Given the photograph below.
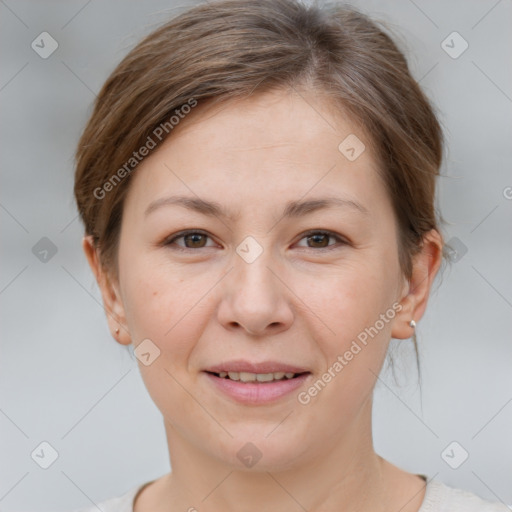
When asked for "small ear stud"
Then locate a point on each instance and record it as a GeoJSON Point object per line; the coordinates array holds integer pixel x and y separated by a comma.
{"type": "Point", "coordinates": [412, 323]}
{"type": "Point", "coordinates": [117, 331]}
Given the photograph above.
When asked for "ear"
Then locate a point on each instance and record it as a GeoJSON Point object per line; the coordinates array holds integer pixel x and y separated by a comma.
{"type": "Point", "coordinates": [112, 301]}
{"type": "Point", "coordinates": [417, 290]}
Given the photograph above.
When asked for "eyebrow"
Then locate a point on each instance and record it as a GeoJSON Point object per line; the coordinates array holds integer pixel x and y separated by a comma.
{"type": "Point", "coordinates": [292, 209]}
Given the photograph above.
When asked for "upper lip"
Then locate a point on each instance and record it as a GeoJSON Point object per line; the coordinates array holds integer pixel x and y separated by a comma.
{"type": "Point", "coordinates": [240, 365]}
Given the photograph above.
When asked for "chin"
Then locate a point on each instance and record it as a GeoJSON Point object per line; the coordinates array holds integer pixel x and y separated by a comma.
{"type": "Point", "coordinates": [256, 453]}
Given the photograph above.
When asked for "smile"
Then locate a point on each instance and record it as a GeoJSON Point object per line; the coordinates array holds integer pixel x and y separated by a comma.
{"type": "Point", "coordinates": [259, 377]}
{"type": "Point", "coordinates": [256, 388]}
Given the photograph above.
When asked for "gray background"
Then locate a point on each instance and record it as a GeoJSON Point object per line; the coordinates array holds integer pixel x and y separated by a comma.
{"type": "Point", "coordinates": [64, 380]}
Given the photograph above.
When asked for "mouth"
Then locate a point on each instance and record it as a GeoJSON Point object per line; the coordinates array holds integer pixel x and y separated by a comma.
{"type": "Point", "coordinates": [245, 377]}
{"type": "Point", "coordinates": [256, 383]}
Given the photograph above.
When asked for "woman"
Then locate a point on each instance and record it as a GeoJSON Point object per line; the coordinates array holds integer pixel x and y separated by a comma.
{"type": "Point", "coordinates": [257, 185]}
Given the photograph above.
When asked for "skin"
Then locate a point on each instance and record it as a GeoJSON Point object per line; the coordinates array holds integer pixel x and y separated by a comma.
{"type": "Point", "coordinates": [297, 303]}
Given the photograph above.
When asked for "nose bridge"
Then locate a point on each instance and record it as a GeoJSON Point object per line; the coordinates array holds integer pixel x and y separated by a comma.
{"type": "Point", "coordinates": [254, 298]}
{"type": "Point", "coordinates": [252, 277]}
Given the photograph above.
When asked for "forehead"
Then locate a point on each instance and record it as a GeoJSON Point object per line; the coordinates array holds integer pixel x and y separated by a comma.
{"type": "Point", "coordinates": [274, 146]}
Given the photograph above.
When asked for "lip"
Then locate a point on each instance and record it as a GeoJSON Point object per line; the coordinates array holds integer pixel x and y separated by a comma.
{"type": "Point", "coordinates": [257, 393]}
{"type": "Point", "coordinates": [240, 365]}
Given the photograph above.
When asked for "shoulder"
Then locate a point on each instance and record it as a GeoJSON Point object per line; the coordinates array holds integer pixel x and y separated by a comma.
{"type": "Point", "coordinates": [121, 503]}
{"type": "Point", "coordinates": [442, 498]}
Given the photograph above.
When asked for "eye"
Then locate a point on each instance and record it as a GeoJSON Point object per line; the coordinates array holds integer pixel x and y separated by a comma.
{"type": "Point", "coordinates": [196, 239]}
{"type": "Point", "coordinates": [320, 240]}
{"type": "Point", "coordinates": [191, 240]}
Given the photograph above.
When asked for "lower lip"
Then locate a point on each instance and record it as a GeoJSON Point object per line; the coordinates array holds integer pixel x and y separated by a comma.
{"type": "Point", "coordinates": [257, 393]}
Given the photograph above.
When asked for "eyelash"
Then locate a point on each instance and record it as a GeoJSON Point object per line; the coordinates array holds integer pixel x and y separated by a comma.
{"type": "Point", "coordinates": [171, 241]}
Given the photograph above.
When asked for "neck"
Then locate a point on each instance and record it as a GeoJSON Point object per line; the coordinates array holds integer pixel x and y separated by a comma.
{"type": "Point", "coordinates": [345, 474]}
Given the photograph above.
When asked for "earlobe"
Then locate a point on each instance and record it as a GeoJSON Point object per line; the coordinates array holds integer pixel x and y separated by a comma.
{"type": "Point", "coordinates": [425, 267]}
{"type": "Point", "coordinates": [112, 301]}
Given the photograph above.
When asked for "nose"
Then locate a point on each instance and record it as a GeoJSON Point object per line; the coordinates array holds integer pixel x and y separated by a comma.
{"type": "Point", "coordinates": [254, 299]}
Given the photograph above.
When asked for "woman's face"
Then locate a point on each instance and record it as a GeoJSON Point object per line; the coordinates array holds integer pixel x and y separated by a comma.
{"type": "Point", "coordinates": [293, 266]}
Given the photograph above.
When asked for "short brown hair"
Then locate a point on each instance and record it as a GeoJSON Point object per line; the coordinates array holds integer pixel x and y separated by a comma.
{"type": "Point", "coordinates": [234, 48]}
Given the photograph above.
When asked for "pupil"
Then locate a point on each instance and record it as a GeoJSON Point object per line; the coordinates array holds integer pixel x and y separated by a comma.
{"type": "Point", "coordinates": [196, 239]}
{"type": "Point", "coordinates": [318, 239]}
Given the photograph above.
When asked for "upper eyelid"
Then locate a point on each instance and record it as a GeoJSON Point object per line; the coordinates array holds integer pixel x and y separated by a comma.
{"type": "Point", "coordinates": [322, 232]}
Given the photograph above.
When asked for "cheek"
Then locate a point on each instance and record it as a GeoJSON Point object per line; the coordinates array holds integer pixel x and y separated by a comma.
{"type": "Point", "coordinates": [352, 338]}
{"type": "Point", "coordinates": [346, 301]}
{"type": "Point", "coordinates": [162, 306]}
{"type": "Point", "coordinates": [350, 303]}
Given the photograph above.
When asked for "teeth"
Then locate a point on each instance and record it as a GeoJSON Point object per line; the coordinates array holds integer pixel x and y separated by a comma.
{"type": "Point", "coordinates": [259, 377]}
{"type": "Point", "coordinates": [248, 377]}
{"type": "Point", "coordinates": [264, 377]}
